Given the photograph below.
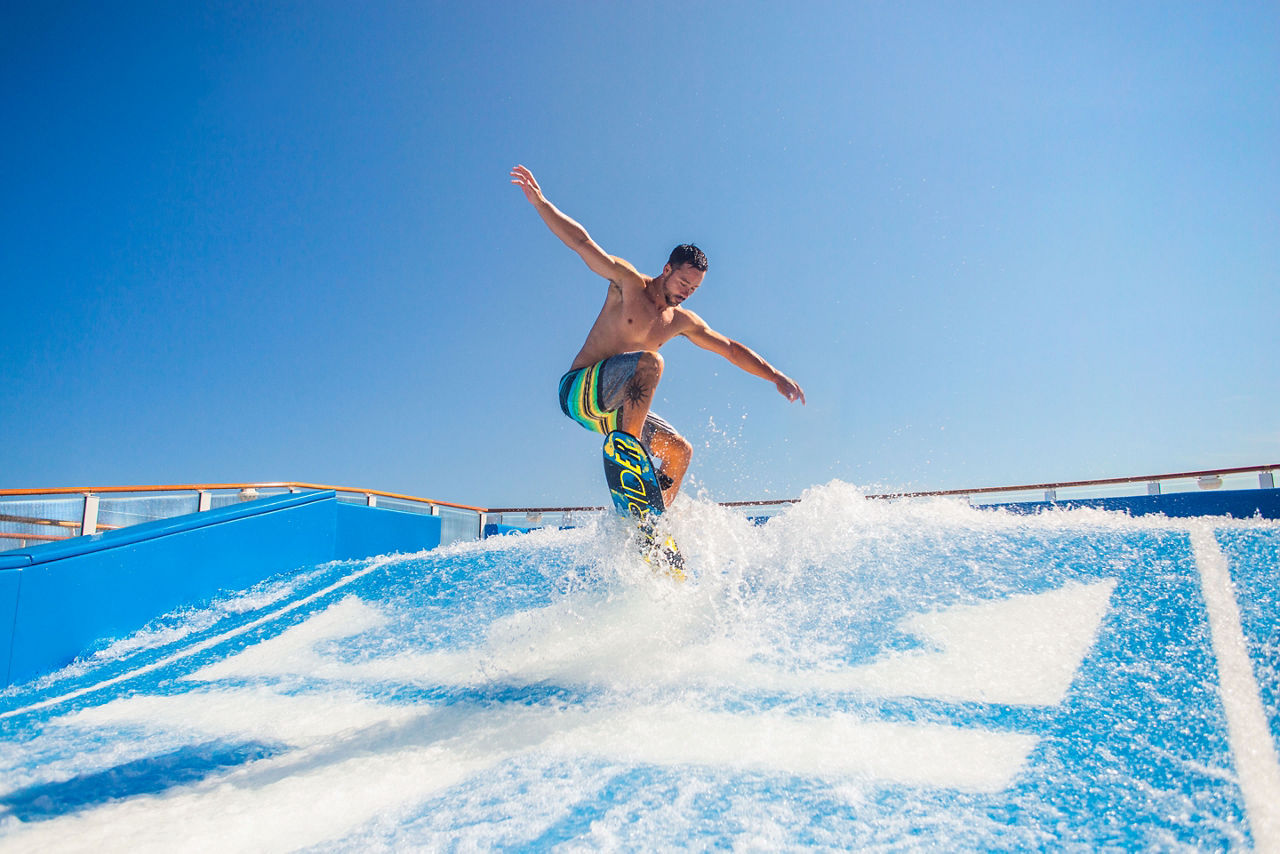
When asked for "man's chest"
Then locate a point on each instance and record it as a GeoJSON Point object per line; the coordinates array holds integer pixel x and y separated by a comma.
{"type": "Point", "coordinates": [642, 322]}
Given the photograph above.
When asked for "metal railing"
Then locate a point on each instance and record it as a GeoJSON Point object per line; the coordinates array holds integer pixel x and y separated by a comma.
{"type": "Point", "coordinates": [32, 516]}
{"type": "Point", "coordinates": [1155, 485]}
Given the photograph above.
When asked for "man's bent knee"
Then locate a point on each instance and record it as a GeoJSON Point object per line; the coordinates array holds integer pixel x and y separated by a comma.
{"type": "Point", "coordinates": [650, 361]}
{"type": "Point", "coordinates": [672, 447]}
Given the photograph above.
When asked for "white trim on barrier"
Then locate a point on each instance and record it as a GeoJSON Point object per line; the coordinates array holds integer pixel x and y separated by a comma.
{"type": "Point", "coordinates": [89, 515]}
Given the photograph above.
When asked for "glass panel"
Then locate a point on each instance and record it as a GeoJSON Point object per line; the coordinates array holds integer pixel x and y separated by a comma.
{"type": "Point", "coordinates": [223, 499]}
{"type": "Point", "coordinates": [404, 506]}
{"type": "Point", "coordinates": [458, 525]}
{"type": "Point", "coordinates": [31, 521]}
{"type": "Point", "coordinates": [120, 511]}
{"type": "Point", "coordinates": [1007, 497]}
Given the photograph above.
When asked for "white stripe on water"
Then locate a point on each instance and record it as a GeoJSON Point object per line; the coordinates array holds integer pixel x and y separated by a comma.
{"type": "Point", "coordinates": [1251, 745]}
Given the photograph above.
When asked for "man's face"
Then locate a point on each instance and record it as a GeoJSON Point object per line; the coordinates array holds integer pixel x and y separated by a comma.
{"type": "Point", "coordinates": [681, 282]}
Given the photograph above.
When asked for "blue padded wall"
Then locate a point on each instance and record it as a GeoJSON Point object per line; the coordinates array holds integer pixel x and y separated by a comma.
{"type": "Point", "coordinates": [58, 599]}
{"type": "Point", "coordinates": [1237, 503]}
{"type": "Point", "coordinates": [9, 579]}
{"type": "Point", "coordinates": [365, 531]}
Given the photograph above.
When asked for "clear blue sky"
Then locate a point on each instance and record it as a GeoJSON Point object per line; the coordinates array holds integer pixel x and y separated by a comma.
{"type": "Point", "coordinates": [995, 242]}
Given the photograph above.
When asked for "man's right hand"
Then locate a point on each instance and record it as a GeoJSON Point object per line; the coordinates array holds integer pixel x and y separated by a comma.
{"type": "Point", "coordinates": [570, 232]}
{"type": "Point", "coordinates": [523, 178]}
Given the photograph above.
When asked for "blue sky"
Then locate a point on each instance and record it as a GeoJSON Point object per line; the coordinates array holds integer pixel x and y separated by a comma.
{"type": "Point", "coordinates": [994, 242]}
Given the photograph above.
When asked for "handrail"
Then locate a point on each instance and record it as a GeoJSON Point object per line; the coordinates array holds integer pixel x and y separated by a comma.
{"type": "Point", "coordinates": [544, 509]}
{"type": "Point", "coordinates": [47, 523]}
{"type": "Point", "coordinates": [1111, 481]}
{"type": "Point", "coordinates": [986, 490]}
{"type": "Point", "coordinates": [196, 487]}
{"type": "Point", "coordinates": [44, 538]}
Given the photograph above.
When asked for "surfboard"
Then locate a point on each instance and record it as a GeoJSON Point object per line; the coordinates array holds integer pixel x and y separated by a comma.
{"type": "Point", "coordinates": [633, 484]}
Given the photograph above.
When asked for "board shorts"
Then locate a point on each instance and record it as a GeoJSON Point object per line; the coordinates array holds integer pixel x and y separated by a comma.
{"type": "Point", "coordinates": [593, 396]}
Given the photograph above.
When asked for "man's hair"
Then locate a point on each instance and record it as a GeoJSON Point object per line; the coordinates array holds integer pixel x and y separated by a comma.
{"type": "Point", "coordinates": [687, 253]}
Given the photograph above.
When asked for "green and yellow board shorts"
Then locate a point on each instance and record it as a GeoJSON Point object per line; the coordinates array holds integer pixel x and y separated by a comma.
{"type": "Point", "coordinates": [594, 396]}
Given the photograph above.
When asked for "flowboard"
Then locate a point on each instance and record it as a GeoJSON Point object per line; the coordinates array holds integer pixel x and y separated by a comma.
{"type": "Point", "coordinates": [633, 484]}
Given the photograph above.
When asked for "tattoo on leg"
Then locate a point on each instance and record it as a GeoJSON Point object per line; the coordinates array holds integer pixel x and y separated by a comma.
{"type": "Point", "coordinates": [636, 390]}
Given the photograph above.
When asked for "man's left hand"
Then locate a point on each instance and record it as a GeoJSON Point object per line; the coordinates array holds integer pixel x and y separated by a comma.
{"type": "Point", "coordinates": [789, 389]}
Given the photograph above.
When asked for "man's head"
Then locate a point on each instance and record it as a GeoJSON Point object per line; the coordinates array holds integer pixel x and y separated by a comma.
{"type": "Point", "coordinates": [687, 253]}
{"type": "Point", "coordinates": [683, 273]}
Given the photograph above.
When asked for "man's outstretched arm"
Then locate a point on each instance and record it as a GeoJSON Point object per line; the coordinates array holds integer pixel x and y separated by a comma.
{"type": "Point", "coordinates": [741, 356]}
{"type": "Point", "coordinates": [569, 230]}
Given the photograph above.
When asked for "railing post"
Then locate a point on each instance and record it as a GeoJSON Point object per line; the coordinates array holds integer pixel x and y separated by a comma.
{"type": "Point", "coordinates": [205, 502]}
{"type": "Point", "coordinates": [1266, 480]}
{"type": "Point", "coordinates": [1153, 487]}
{"type": "Point", "coordinates": [89, 518]}
{"type": "Point", "coordinates": [1051, 496]}
{"type": "Point", "coordinates": [370, 500]}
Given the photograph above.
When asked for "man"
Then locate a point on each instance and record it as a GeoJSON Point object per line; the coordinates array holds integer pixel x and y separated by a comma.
{"type": "Point", "coordinates": [612, 381]}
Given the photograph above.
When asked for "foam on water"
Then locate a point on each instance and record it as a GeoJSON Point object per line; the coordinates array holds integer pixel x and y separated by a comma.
{"type": "Point", "coordinates": [853, 673]}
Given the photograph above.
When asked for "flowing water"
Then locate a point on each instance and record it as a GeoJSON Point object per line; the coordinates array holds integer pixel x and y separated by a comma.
{"type": "Point", "coordinates": [852, 674]}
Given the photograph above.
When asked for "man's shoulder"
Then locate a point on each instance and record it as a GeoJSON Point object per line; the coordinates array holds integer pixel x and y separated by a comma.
{"type": "Point", "coordinates": [625, 264]}
{"type": "Point", "coordinates": [624, 272]}
{"type": "Point", "coordinates": [684, 320]}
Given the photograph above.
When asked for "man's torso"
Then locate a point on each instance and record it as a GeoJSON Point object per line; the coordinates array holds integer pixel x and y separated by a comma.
{"type": "Point", "coordinates": [628, 321]}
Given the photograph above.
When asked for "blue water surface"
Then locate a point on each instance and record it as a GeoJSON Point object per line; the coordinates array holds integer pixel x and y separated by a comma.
{"type": "Point", "coordinates": [549, 691]}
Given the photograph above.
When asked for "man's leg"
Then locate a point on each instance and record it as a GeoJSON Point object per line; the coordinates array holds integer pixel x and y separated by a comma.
{"type": "Point", "coordinates": [639, 393]}
{"type": "Point", "coordinates": [676, 452]}
{"type": "Point", "coordinates": [670, 446]}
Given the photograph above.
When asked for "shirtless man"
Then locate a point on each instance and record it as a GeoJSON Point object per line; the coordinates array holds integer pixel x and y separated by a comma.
{"type": "Point", "coordinates": [612, 381]}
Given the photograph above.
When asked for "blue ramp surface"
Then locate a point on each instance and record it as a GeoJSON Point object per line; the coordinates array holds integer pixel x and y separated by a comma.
{"type": "Point", "coordinates": [851, 674]}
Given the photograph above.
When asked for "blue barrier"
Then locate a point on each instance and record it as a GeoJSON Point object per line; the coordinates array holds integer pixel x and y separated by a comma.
{"type": "Point", "coordinates": [1237, 503]}
{"type": "Point", "coordinates": [57, 599]}
{"type": "Point", "coordinates": [8, 612]}
{"type": "Point", "coordinates": [493, 529]}
{"type": "Point", "coordinates": [367, 531]}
